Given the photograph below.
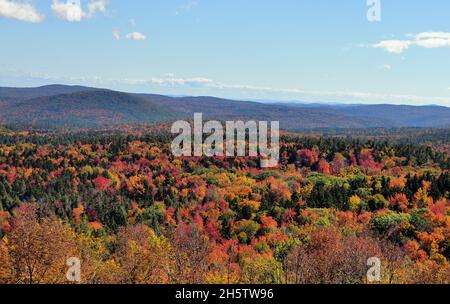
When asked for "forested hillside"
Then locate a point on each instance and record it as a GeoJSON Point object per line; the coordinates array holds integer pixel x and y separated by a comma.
{"type": "Point", "coordinates": [135, 214]}
{"type": "Point", "coordinates": [58, 106]}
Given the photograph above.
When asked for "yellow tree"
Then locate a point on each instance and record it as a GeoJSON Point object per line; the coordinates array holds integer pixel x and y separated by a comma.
{"type": "Point", "coordinates": [143, 256]}
{"type": "Point", "coordinates": [98, 266]}
{"type": "Point", "coordinates": [39, 249]}
{"type": "Point", "coordinates": [5, 263]}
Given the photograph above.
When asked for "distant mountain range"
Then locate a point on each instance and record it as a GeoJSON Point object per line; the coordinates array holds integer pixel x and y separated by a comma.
{"type": "Point", "coordinates": [84, 107]}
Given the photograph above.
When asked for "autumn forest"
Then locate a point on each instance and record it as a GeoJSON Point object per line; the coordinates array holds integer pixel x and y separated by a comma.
{"type": "Point", "coordinates": [119, 201]}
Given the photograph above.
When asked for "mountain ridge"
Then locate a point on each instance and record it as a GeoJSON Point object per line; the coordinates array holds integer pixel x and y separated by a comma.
{"type": "Point", "coordinates": [79, 106]}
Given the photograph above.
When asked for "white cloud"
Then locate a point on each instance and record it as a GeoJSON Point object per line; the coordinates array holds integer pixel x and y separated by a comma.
{"type": "Point", "coordinates": [72, 11]}
{"type": "Point", "coordinates": [171, 80]}
{"type": "Point", "coordinates": [136, 36]}
{"type": "Point", "coordinates": [428, 40]}
{"type": "Point", "coordinates": [20, 11]}
{"type": "Point", "coordinates": [433, 39]}
{"type": "Point", "coordinates": [97, 6]}
{"type": "Point", "coordinates": [393, 46]}
{"type": "Point", "coordinates": [116, 34]}
{"type": "Point", "coordinates": [428, 35]}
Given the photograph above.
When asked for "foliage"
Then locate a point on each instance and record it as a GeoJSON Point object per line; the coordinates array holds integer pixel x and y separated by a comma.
{"type": "Point", "coordinates": [133, 213]}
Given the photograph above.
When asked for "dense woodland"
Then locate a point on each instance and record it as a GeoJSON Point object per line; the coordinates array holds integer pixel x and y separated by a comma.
{"type": "Point", "coordinates": [135, 214]}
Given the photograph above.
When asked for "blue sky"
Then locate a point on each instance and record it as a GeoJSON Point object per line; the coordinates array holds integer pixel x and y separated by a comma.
{"type": "Point", "coordinates": [307, 50]}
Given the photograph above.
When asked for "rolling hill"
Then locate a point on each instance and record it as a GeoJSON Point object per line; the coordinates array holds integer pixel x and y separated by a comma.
{"type": "Point", "coordinates": [77, 106]}
{"type": "Point", "coordinates": [21, 94]}
{"type": "Point", "coordinates": [83, 109]}
{"type": "Point", "coordinates": [402, 116]}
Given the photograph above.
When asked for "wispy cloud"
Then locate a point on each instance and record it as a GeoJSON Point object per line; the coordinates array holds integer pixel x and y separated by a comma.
{"type": "Point", "coordinates": [393, 46]}
{"type": "Point", "coordinates": [171, 80]}
{"type": "Point", "coordinates": [116, 34]}
{"type": "Point", "coordinates": [20, 11]}
{"type": "Point", "coordinates": [202, 85]}
{"type": "Point", "coordinates": [428, 40]}
{"type": "Point", "coordinates": [97, 6]}
{"type": "Point", "coordinates": [187, 7]}
{"type": "Point", "coordinates": [387, 67]}
{"type": "Point", "coordinates": [137, 36]}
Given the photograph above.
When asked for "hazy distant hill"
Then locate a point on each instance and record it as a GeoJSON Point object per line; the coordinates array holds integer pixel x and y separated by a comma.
{"type": "Point", "coordinates": [392, 115]}
{"type": "Point", "coordinates": [402, 116]}
{"type": "Point", "coordinates": [76, 106]}
{"type": "Point", "coordinates": [291, 118]}
{"type": "Point", "coordinates": [15, 94]}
